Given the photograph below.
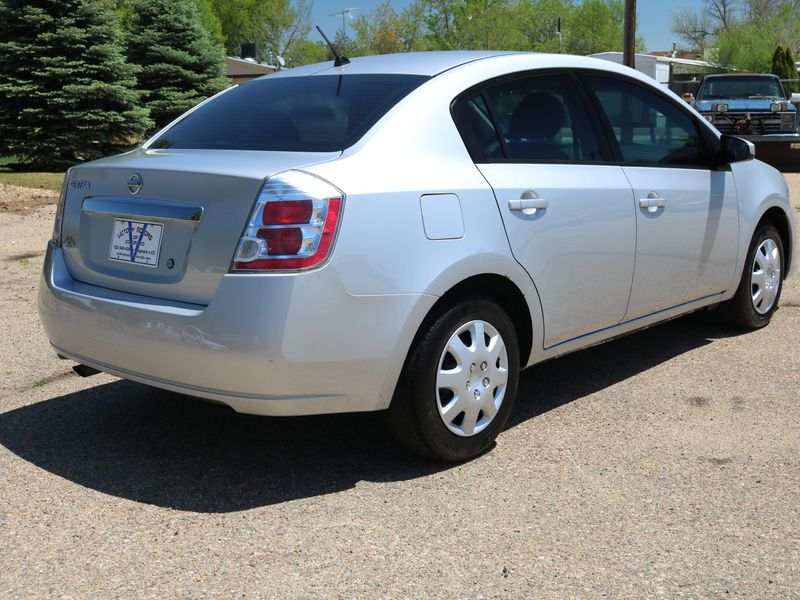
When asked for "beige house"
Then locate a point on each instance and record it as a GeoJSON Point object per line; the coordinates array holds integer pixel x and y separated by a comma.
{"type": "Point", "coordinates": [240, 70]}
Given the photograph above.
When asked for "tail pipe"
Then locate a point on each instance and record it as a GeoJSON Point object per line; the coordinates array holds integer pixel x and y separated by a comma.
{"type": "Point", "coordinates": [85, 371]}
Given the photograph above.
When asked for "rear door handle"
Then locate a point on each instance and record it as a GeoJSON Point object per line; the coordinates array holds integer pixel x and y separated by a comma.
{"type": "Point", "coordinates": [653, 201]}
{"type": "Point", "coordinates": [528, 205]}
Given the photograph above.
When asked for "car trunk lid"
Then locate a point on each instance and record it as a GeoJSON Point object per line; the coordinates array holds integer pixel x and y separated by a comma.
{"type": "Point", "coordinates": [165, 223]}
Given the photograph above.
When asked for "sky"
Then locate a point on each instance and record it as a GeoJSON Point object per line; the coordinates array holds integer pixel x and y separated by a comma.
{"type": "Point", "coordinates": [654, 17]}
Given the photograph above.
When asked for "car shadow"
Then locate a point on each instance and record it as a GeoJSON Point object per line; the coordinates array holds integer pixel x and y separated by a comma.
{"type": "Point", "coordinates": [152, 446]}
{"type": "Point", "coordinates": [551, 384]}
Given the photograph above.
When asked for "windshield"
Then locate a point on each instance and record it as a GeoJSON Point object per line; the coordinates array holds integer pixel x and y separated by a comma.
{"type": "Point", "coordinates": [718, 88]}
{"type": "Point", "coordinates": [321, 113]}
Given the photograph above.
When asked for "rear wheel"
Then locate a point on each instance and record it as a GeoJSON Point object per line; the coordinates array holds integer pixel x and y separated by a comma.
{"type": "Point", "coordinates": [458, 384]}
{"type": "Point", "coordinates": [759, 290]}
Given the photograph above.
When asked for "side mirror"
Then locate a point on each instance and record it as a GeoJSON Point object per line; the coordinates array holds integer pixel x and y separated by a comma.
{"type": "Point", "coordinates": [795, 98]}
{"type": "Point", "coordinates": [734, 149]}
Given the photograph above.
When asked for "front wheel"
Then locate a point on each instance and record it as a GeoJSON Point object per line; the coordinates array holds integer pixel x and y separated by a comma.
{"type": "Point", "coordinates": [458, 385]}
{"type": "Point", "coordinates": [759, 290]}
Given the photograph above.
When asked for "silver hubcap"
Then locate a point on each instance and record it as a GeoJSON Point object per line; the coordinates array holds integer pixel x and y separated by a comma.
{"type": "Point", "coordinates": [765, 278]}
{"type": "Point", "coordinates": [471, 378]}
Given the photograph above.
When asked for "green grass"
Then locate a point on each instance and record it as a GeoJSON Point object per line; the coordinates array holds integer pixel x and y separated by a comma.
{"type": "Point", "coordinates": [43, 181]}
{"type": "Point", "coordinates": [24, 262]}
{"type": "Point", "coordinates": [12, 174]}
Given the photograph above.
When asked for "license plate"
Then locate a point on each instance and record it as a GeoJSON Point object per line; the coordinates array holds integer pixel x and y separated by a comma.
{"type": "Point", "coordinates": [136, 242]}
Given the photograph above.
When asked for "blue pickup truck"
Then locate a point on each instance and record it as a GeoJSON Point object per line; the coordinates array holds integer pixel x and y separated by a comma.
{"type": "Point", "coordinates": [746, 105]}
{"type": "Point", "coordinates": [757, 108]}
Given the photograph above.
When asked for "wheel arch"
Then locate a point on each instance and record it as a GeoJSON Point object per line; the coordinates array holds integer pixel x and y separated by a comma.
{"type": "Point", "coordinates": [777, 217]}
{"type": "Point", "coordinates": [496, 288]}
{"type": "Point", "coordinates": [763, 197]}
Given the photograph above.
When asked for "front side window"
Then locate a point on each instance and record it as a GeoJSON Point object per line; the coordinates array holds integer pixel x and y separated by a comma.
{"type": "Point", "coordinates": [321, 113]}
{"type": "Point", "coordinates": [528, 119]}
{"type": "Point", "coordinates": [649, 129]}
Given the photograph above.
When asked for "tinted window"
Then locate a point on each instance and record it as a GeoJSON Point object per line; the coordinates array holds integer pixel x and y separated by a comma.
{"type": "Point", "coordinates": [539, 119]}
{"type": "Point", "coordinates": [648, 127]}
{"type": "Point", "coordinates": [321, 113]}
{"type": "Point", "coordinates": [476, 127]}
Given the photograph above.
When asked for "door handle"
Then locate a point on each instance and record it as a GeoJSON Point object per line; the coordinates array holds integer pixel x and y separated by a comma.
{"type": "Point", "coordinates": [652, 202]}
{"type": "Point", "coordinates": [528, 205]}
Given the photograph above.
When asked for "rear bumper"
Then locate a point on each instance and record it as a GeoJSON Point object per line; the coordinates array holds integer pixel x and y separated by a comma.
{"type": "Point", "coordinates": [290, 344]}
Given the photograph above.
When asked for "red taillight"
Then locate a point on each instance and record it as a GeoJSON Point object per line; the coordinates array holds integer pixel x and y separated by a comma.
{"type": "Point", "coordinates": [282, 241]}
{"type": "Point", "coordinates": [287, 212]}
{"type": "Point", "coordinates": [292, 226]}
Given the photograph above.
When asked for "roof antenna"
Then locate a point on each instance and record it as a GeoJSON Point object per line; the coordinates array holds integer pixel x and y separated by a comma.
{"type": "Point", "coordinates": [339, 60]}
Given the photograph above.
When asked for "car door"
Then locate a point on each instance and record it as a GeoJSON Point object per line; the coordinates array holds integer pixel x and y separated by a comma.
{"type": "Point", "coordinates": [686, 210]}
{"type": "Point", "coordinates": [570, 220]}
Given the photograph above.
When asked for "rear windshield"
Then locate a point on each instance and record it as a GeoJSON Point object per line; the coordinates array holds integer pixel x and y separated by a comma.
{"type": "Point", "coordinates": [719, 88]}
{"type": "Point", "coordinates": [320, 113]}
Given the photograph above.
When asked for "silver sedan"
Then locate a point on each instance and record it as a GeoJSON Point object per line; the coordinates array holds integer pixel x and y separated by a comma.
{"type": "Point", "coordinates": [404, 233]}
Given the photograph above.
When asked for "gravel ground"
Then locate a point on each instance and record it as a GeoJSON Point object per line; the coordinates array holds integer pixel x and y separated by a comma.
{"type": "Point", "coordinates": [664, 464]}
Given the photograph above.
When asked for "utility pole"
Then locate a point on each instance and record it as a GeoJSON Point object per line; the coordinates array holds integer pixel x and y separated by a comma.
{"type": "Point", "coordinates": [558, 33]}
{"type": "Point", "coordinates": [629, 53]}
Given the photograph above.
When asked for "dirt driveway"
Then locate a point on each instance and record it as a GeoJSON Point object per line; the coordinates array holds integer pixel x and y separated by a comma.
{"type": "Point", "coordinates": [664, 464]}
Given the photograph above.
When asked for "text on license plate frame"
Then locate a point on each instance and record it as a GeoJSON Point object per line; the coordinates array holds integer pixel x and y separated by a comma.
{"type": "Point", "coordinates": [136, 242]}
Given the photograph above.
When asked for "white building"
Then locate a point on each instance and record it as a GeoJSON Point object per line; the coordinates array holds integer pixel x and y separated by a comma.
{"type": "Point", "coordinates": [663, 68]}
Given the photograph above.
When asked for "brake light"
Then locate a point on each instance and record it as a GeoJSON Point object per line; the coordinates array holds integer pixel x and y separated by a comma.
{"type": "Point", "coordinates": [292, 225]}
{"type": "Point", "coordinates": [285, 212]}
{"type": "Point", "coordinates": [283, 241]}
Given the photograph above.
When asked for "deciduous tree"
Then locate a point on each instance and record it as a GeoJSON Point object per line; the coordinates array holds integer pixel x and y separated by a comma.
{"type": "Point", "coordinates": [595, 26]}
{"type": "Point", "coordinates": [282, 23]}
{"type": "Point", "coordinates": [745, 32]}
{"type": "Point", "coordinates": [699, 27]}
{"type": "Point", "coordinates": [304, 52]}
{"type": "Point", "coordinates": [695, 29]}
{"type": "Point", "coordinates": [383, 30]}
{"type": "Point", "coordinates": [276, 26]}
{"type": "Point", "coordinates": [210, 20]}
{"type": "Point", "coordinates": [538, 21]}
{"type": "Point", "coordinates": [750, 43]}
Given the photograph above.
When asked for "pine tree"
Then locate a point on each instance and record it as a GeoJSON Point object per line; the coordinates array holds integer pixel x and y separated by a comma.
{"type": "Point", "coordinates": [790, 70]}
{"type": "Point", "coordinates": [179, 65]}
{"type": "Point", "coordinates": [66, 92]}
{"type": "Point", "coordinates": [778, 58]}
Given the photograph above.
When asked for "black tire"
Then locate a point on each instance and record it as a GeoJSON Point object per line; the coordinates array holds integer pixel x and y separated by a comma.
{"type": "Point", "coordinates": [414, 415]}
{"type": "Point", "coordinates": [740, 310]}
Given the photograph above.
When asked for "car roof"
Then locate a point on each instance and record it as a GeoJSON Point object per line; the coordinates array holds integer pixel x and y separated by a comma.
{"type": "Point", "coordinates": [408, 63]}
{"type": "Point", "coordinates": [434, 63]}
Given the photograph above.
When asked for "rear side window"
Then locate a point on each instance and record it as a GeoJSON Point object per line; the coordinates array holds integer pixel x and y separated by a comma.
{"type": "Point", "coordinates": [647, 126]}
{"type": "Point", "coordinates": [322, 113]}
{"type": "Point", "coordinates": [477, 129]}
{"type": "Point", "coordinates": [538, 119]}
